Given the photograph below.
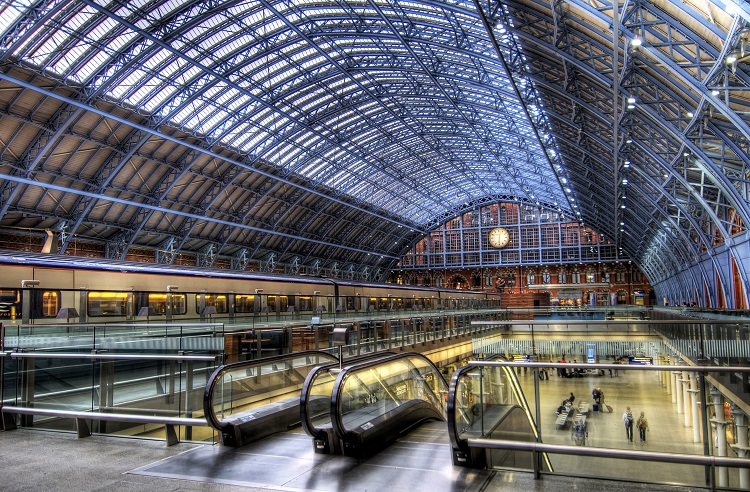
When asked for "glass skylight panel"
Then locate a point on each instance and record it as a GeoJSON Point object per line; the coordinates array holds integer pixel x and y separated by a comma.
{"type": "Point", "coordinates": [158, 98]}
{"type": "Point", "coordinates": [10, 12]}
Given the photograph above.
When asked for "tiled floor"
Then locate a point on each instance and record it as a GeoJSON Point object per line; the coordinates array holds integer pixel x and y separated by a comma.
{"type": "Point", "coordinates": [640, 390]}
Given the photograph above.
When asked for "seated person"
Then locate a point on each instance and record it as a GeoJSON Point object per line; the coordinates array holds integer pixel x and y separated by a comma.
{"type": "Point", "coordinates": [572, 397]}
{"type": "Point", "coordinates": [563, 407]}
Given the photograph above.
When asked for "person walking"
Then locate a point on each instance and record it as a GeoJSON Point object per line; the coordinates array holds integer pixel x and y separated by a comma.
{"type": "Point", "coordinates": [642, 425]}
{"type": "Point", "coordinates": [627, 419]}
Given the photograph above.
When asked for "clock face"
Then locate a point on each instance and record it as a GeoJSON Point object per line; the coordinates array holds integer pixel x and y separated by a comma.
{"type": "Point", "coordinates": [498, 237]}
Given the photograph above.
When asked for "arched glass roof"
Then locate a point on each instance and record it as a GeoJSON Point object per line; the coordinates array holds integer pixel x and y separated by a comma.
{"type": "Point", "coordinates": [403, 106]}
{"type": "Point", "coordinates": [340, 133]}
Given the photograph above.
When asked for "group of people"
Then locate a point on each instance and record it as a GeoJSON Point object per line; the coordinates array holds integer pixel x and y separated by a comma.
{"type": "Point", "coordinates": [641, 424]}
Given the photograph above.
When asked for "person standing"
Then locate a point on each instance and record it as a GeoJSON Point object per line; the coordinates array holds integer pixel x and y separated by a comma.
{"type": "Point", "coordinates": [627, 419]}
{"type": "Point", "coordinates": [642, 425]}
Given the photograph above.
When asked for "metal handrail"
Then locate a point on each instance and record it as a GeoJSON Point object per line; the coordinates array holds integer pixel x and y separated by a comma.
{"type": "Point", "coordinates": [638, 367]}
{"type": "Point", "coordinates": [680, 458]}
{"type": "Point", "coordinates": [542, 322]}
{"type": "Point", "coordinates": [67, 355]}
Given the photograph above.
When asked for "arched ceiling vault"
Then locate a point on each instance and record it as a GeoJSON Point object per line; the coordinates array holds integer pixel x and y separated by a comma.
{"type": "Point", "coordinates": [340, 133]}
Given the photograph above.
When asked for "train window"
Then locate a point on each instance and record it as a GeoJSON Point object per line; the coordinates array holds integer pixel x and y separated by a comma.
{"type": "Point", "coordinates": [10, 306]}
{"type": "Point", "coordinates": [399, 303]}
{"type": "Point", "coordinates": [107, 303]}
{"type": "Point", "coordinates": [44, 303]}
{"type": "Point", "coordinates": [350, 303]}
{"type": "Point", "coordinates": [244, 303]}
{"type": "Point", "coordinates": [50, 304]}
{"type": "Point", "coordinates": [305, 303]}
{"type": "Point", "coordinates": [383, 303]}
{"type": "Point", "coordinates": [373, 304]}
{"type": "Point", "coordinates": [278, 304]}
{"type": "Point", "coordinates": [158, 303]}
{"type": "Point", "coordinates": [218, 301]}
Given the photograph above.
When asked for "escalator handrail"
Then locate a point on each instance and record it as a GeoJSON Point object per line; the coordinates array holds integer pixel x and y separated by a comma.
{"type": "Point", "coordinates": [307, 386]}
{"type": "Point", "coordinates": [463, 445]}
{"type": "Point", "coordinates": [336, 396]}
{"type": "Point", "coordinates": [208, 408]}
{"type": "Point", "coordinates": [455, 440]}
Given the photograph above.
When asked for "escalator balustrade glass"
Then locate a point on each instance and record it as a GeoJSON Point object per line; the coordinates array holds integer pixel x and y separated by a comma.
{"type": "Point", "coordinates": [376, 402]}
{"type": "Point", "coordinates": [246, 401]}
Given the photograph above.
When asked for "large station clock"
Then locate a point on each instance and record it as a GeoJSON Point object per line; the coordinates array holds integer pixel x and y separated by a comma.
{"type": "Point", "coordinates": [498, 237]}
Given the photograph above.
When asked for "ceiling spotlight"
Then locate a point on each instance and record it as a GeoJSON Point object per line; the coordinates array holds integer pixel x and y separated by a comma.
{"type": "Point", "coordinates": [631, 100]}
{"type": "Point", "coordinates": [732, 58]}
{"type": "Point", "coordinates": [636, 41]}
{"type": "Point", "coordinates": [715, 92]}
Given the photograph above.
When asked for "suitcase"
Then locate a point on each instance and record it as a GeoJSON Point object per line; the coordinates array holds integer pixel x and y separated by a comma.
{"type": "Point", "coordinates": [596, 407]}
{"type": "Point", "coordinates": [609, 408]}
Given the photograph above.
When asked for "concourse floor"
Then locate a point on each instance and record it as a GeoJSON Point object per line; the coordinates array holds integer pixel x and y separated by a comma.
{"type": "Point", "coordinates": [42, 460]}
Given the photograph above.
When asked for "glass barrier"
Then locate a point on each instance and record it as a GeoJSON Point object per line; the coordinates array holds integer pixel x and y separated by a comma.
{"type": "Point", "coordinates": [163, 386]}
{"type": "Point", "coordinates": [595, 418]}
{"type": "Point", "coordinates": [489, 402]}
{"type": "Point", "coordinates": [128, 338]}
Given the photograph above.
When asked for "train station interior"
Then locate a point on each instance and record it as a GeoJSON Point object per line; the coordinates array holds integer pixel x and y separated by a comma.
{"type": "Point", "coordinates": [426, 246]}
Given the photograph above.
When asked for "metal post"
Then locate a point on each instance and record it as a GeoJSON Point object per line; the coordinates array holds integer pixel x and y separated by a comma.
{"type": "Point", "coordinates": [188, 394]}
{"type": "Point", "coordinates": [694, 406]}
{"type": "Point", "coordinates": [721, 435]}
{"type": "Point", "coordinates": [741, 448]}
{"type": "Point", "coordinates": [537, 456]}
{"type": "Point", "coordinates": [28, 376]}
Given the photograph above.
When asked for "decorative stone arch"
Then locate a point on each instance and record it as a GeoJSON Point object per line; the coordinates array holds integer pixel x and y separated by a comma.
{"type": "Point", "coordinates": [622, 296]}
{"type": "Point", "coordinates": [458, 281]}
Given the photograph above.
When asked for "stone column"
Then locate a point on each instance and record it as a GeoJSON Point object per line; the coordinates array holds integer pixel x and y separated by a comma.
{"type": "Point", "coordinates": [722, 474]}
{"type": "Point", "coordinates": [677, 393]}
{"type": "Point", "coordinates": [686, 398]}
{"type": "Point", "coordinates": [694, 406]}
{"type": "Point", "coordinates": [741, 448]}
{"type": "Point", "coordinates": [668, 379]}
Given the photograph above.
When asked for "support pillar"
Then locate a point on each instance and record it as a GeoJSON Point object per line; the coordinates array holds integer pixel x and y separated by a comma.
{"type": "Point", "coordinates": [694, 406]}
{"type": "Point", "coordinates": [675, 390]}
{"type": "Point", "coordinates": [741, 448]}
{"type": "Point", "coordinates": [668, 379]}
{"type": "Point", "coordinates": [722, 474]}
{"type": "Point", "coordinates": [686, 398]}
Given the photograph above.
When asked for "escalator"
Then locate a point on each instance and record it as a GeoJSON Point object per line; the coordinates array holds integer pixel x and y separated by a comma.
{"type": "Point", "coordinates": [373, 403]}
{"type": "Point", "coordinates": [249, 400]}
{"type": "Point", "coordinates": [315, 402]}
{"type": "Point", "coordinates": [488, 402]}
